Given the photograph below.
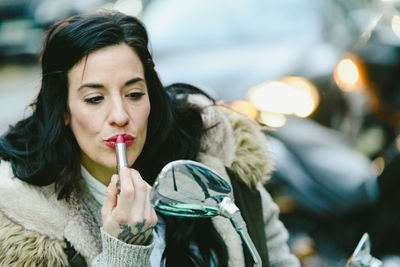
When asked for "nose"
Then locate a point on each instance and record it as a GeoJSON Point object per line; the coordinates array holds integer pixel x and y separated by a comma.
{"type": "Point", "coordinates": [118, 113]}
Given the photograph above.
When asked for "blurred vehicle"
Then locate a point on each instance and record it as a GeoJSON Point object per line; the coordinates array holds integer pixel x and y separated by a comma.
{"type": "Point", "coordinates": [378, 137]}
{"type": "Point", "coordinates": [320, 184]}
{"type": "Point", "coordinates": [320, 170]}
{"type": "Point", "coordinates": [368, 77]}
{"type": "Point", "coordinates": [378, 62]}
{"type": "Point", "coordinates": [19, 33]}
{"type": "Point", "coordinates": [23, 23]}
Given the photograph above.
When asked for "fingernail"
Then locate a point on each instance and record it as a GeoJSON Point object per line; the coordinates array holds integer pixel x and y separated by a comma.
{"type": "Point", "coordinates": [112, 181]}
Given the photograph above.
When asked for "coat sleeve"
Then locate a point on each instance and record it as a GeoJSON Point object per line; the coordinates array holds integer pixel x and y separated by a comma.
{"type": "Point", "coordinates": [276, 233]}
{"type": "Point", "coordinates": [117, 253]}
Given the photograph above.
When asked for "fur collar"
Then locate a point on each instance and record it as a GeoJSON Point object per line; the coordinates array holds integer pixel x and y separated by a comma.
{"type": "Point", "coordinates": [235, 140]}
{"type": "Point", "coordinates": [252, 161]}
{"type": "Point", "coordinates": [24, 204]}
{"type": "Point", "coordinates": [37, 209]}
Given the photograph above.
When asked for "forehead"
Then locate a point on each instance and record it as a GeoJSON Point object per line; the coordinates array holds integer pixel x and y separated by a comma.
{"type": "Point", "coordinates": [113, 61]}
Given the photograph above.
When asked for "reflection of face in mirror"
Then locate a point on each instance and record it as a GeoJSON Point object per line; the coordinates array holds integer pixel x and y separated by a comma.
{"type": "Point", "coordinates": [191, 184]}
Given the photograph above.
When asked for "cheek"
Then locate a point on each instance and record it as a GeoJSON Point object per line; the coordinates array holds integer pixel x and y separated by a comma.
{"type": "Point", "coordinates": [146, 114]}
{"type": "Point", "coordinates": [140, 116]}
{"type": "Point", "coordinates": [141, 120]}
{"type": "Point", "coordinates": [80, 122]}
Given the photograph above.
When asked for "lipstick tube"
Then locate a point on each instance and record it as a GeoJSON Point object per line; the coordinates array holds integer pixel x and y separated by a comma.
{"type": "Point", "coordinates": [120, 150]}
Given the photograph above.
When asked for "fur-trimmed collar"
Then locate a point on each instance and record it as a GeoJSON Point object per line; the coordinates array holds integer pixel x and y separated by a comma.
{"type": "Point", "coordinates": [37, 209]}
{"type": "Point", "coordinates": [235, 140]}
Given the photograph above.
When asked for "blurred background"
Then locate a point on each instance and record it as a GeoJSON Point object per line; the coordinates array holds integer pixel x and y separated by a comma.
{"type": "Point", "coordinates": [321, 77]}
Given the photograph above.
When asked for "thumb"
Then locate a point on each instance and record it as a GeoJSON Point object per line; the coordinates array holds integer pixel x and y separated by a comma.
{"type": "Point", "coordinates": [110, 197]}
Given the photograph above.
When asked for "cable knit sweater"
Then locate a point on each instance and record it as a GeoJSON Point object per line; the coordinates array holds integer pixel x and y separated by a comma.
{"type": "Point", "coordinates": [34, 225]}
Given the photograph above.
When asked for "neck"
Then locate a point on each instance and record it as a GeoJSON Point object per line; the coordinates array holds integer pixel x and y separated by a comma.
{"type": "Point", "coordinates": [101, 173]}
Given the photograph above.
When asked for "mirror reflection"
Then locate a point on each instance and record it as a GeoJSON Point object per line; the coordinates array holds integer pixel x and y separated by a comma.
{"type": "Point", "coordinates": [188, 189]}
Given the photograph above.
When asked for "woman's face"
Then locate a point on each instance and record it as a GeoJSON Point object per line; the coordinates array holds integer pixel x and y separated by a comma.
{"type": "Point", "coordinates": [107, 96]}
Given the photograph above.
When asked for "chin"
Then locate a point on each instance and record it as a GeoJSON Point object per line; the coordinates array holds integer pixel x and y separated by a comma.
{"type": "Point", "coordinates": [111, 165]}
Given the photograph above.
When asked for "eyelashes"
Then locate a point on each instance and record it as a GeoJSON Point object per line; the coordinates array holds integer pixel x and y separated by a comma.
{"type": "Point", "coordinates": [135, 95]}
{"type": "Point", "coordinates": [94, 100]}
{"type": "Point", "coordinates": [98, 99]}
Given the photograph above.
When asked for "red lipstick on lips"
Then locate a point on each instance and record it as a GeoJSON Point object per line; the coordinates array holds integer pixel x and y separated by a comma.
{"type": "Point", "coordinates": [120, 139]}
{"type": "Point", "coordinates": [126, 138]}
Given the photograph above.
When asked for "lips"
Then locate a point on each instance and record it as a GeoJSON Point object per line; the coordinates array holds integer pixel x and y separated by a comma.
{"type": "Point", "coordinates": [128, 139]}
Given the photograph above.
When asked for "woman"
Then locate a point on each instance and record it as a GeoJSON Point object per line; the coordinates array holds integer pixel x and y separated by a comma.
{"type": "Point", "coordinates": [59, 199]}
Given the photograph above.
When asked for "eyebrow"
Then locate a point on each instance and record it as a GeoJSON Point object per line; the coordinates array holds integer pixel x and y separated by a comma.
{"type": "Point", "coordinates": [98, 85]}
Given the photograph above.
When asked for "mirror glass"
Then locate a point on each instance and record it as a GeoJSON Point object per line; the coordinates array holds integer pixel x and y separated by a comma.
{"type": "Point", "coordinates": [187, 188]}
{"type": "Point", "coordinates": [362, 256]}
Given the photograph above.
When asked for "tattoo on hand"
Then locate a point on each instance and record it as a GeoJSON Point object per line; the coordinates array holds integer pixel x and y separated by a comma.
{"type": "Point", "coordinates": [139, 237]}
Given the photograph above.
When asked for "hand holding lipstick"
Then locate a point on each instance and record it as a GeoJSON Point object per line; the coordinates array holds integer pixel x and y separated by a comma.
{"type": "Point", "coordinates": [132, 218]}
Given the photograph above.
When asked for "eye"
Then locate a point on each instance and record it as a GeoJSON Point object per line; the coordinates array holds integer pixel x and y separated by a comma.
{"type": "Point", "coordinates": [94, 100]}
{"type": "Point", "coordinates": [135, 95]}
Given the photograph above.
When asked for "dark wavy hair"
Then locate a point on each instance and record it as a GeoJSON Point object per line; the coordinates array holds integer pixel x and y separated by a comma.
{"type": "Point", "coordinates": [42, 149]}
{"type": "Point", "coordinates": [184, 142]}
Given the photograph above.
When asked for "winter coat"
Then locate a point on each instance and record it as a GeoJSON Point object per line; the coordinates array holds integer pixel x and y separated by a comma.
{"type": "Point", "coordinates": [35, 227]}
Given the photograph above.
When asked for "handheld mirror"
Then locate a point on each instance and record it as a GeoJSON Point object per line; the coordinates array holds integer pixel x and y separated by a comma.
{"type": "Point", "coordinates": [187, 188]}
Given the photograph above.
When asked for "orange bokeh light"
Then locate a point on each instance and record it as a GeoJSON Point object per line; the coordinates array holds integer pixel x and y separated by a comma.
{"type": "Point", "coordinates": [246, 108]}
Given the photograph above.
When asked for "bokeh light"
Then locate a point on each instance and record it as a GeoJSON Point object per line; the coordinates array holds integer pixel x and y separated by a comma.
{"type": "Point", "coordinates": [347, 74]}
{"type": "Point", "coordinates": [306, 95]}
{"type": "Point", "coordinates": [378, 165]}
{"type": "Point", "coordinates": [272, 96]}
{"type": "Point", "coordinates": [246, 108]}
{"type": "Point", "coordinates": [291, 95]}
{"type": "Point", "coordinates": [272, 119]}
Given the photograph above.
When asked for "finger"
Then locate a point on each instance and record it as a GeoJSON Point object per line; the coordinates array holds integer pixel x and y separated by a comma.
{"type": "Point", "coordinates": [110, 197]}
{"type": "Point", "coordinates": [136, 211]}
{"type": "Point", "coordinates": [151, 213]}
{"type": "Point", "coordinates": [141, 188]}
{"type": "Point", "coordinates": [127, 193]}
